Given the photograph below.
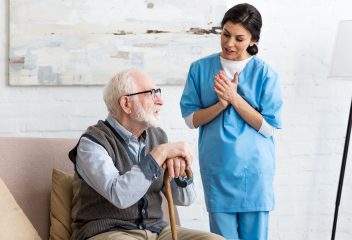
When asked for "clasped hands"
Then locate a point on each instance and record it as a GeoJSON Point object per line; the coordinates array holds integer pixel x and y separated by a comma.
{"type": "Point", "coordinates": [226, 90]}
{"type": "Point", "coordinates": [175, 157]}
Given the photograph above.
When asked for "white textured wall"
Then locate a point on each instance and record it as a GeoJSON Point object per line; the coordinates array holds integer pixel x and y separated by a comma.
{"type": "Point", "coordinates": [297, 40]}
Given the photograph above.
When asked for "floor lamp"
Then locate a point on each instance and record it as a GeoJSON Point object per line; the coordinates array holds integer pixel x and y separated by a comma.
{"type": "Point", "coordinates": [341, 68]}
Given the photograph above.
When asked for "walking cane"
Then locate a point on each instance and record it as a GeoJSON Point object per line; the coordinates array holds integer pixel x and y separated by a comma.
{"type": "Point", "coordinates": [170, 202]}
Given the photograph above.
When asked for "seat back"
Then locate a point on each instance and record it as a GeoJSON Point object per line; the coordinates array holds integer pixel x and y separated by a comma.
{"type": "Point", "coordinates": [26, 165]}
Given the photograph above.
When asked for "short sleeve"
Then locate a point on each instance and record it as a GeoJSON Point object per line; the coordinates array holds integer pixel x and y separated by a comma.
{"type": "Point", "coordinates": [271, 99]}
{"type": "Point", "coordinates": [190, 99]}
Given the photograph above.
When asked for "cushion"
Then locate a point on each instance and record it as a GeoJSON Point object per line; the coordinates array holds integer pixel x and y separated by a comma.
{"type": "Point", "coordinates": [61, 205]}
{"type": "Point", "coordinates": [14, 224]}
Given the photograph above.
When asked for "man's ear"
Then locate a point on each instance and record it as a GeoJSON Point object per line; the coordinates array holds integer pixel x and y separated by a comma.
{"type": "Point", "coordinates": [125, 104]}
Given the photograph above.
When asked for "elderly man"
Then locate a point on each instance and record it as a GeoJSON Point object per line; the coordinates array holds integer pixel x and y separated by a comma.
{"type": "Point", "coordinates": [119, 165]}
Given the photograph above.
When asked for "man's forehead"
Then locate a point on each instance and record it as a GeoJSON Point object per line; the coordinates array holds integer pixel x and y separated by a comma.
{"type": "Point", "coordinates": [143, 80]}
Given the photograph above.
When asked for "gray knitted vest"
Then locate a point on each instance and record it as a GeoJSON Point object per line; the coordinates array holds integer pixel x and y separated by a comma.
{"type": "Point", "coordinates": [93, 214]}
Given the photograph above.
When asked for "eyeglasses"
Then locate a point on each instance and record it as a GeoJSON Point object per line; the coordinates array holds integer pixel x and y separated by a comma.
{"type": "Point", "coordinates": [156, 92]}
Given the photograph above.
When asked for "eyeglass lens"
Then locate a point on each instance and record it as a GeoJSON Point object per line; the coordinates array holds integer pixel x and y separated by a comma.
{"type": "Point", "coordinates": [156, 92]}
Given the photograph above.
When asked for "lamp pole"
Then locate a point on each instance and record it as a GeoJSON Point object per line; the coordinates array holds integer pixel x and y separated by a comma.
{"type": "Point", "coordinates": [342, 172]}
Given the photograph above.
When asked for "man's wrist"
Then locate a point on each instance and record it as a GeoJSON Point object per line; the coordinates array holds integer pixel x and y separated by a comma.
{"type": "Point", "coordinates": [150, 167]}
{"type": "Point", "coordinates": [158, 154]}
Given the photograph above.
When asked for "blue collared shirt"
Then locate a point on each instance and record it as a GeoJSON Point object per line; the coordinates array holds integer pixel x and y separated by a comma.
{"type": "Point", "coordinates": [96, 167]}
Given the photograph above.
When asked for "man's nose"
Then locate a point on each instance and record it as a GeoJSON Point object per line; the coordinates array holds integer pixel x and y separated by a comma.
{"type": "Point", "coordinates": [158, 100]}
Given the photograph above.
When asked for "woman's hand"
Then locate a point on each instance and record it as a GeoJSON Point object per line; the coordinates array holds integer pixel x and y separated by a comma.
{"type": "Point", "coordinates": [226, 90]}
{"type": "Point", "coordinates": [222, 102]}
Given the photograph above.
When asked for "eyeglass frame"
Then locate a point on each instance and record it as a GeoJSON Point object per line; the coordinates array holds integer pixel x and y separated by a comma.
{"type": "Point", "coordinates": [154, 92]}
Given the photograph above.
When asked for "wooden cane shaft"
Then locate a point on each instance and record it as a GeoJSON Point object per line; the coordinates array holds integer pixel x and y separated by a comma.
{"type": "Point", "coordinates": [170, 205]}
{"type": "Point", "coordinates": [189, 173]}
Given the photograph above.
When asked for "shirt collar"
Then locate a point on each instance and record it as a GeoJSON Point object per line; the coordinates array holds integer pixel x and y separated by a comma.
{"type": "Point", "coordinates": [123, 132]}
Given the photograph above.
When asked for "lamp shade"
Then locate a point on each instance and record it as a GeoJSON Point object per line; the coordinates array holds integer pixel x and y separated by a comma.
{"type": "Point", "coordinates": [341, 65]}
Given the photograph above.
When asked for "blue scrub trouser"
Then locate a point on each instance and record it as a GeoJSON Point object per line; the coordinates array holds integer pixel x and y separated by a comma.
{"type": "Point", "coordinates": [241, 225]}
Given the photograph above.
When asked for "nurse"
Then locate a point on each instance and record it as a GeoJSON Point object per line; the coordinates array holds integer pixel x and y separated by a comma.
{"type": "Point", "coordinates": [234, 98]}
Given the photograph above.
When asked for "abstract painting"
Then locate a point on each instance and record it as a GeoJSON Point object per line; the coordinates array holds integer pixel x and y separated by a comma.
{"type": "Point", "coordinates": [85, 42]}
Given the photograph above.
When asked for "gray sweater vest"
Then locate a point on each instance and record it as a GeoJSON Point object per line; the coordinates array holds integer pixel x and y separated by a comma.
{"type": "Point", "coordinates": [93, 214]}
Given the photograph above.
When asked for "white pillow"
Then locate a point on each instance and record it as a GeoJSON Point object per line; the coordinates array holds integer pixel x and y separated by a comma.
{"type": "Point", "coordinates": [14, 224]}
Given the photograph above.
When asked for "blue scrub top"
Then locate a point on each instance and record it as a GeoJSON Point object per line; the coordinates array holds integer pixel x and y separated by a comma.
{"type": "Point", "coordinates": [236, 162]}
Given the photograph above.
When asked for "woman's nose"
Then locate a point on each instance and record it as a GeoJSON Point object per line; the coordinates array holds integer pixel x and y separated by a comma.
{"type": "Point", "coordinates": [231, 42]}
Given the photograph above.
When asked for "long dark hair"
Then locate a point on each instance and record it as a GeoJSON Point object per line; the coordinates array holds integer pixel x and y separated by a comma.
{"type": "Point", "coordinates": [249, 17]}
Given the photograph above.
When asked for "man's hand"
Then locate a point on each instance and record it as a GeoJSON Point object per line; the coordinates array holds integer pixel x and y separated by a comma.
{"type": "Point", "coordinates": [176, 156]}
{"type": "Point", "coordinates": [175, 166]}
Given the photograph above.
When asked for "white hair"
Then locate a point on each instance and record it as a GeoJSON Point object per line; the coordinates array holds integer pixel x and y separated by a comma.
{"type": "Point", "coordinates": [121, 84]}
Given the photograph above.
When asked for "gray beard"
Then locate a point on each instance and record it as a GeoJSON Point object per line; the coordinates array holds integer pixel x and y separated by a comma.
{"type": "Point", "coordinates": [142, 116]}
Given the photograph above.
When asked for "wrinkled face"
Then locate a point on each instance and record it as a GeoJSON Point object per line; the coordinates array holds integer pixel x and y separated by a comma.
{"type": "Point", "coordinates": [147, 105]}
{"type": "Point", "coordinates": [235, 40]}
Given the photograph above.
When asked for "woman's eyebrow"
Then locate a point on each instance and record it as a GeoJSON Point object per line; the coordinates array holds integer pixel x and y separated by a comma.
{"type": "Point", "coordinates": [239, 35]}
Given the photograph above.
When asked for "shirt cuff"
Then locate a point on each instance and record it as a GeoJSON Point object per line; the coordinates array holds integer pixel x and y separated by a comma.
{"type": "Point", "coordinates": [189, 121]}
{"type": "Point", "coordinates": [150, 168]}
{"type": "Point", "coordinates": [183, 181]}
{"type": "Point", "coordinates": [266, 129]}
